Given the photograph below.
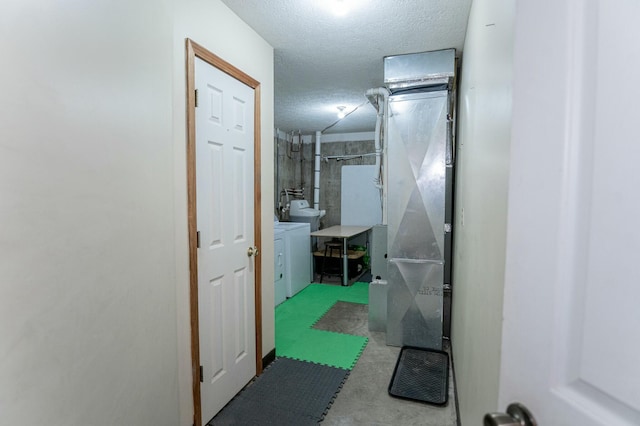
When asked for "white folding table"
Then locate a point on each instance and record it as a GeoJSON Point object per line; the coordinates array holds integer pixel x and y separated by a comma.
{"type": "Point", "coordinates": [344, 233]}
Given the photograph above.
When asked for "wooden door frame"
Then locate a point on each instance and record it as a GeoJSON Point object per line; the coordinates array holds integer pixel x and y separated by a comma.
{"type": "Point", "coordinates": [194, 50]}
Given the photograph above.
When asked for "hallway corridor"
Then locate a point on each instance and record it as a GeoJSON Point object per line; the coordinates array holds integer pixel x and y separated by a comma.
{"type": "Point", "coordinates": [363, 398]}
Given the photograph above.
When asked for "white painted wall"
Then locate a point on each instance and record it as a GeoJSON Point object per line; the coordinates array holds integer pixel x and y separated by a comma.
{"type": "Point", "coordinates": [87, 271]}
{"type": "Point", "coordinates": [481, 205]}
{"type": "Point", "coordinates": [212, 25]}
{"type": "Point", "coordinates": [93, 229]}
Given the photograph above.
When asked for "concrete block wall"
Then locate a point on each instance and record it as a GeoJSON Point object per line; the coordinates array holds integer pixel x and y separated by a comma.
{"type": "Point", "coordinates": [294, 164]}
{"type": "Point", "coordinates": [331, 171]}
{"type": "Point", "coordinates": [293, 169]}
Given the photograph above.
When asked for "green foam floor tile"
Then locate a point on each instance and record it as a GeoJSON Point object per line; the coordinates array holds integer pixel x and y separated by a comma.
{"type": "Point", "coordinates": [294, 318]}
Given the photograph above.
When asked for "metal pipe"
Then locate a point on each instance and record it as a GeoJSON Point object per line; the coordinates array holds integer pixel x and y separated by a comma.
{"type": "Point", "coordinates": [301, 155]}
{"type": "Point", "coordinates": [277, 166]}
{"type": "Point", "coordinates": [347, 157]}
{"type": "Point", "coordinates": [384, 169]}
{"type": "Point", "coordinates": [316, 180]}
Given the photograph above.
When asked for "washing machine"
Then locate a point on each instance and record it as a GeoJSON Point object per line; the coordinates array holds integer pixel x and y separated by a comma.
{"type": "Point", "coordinates": [301, 211]}
{"type": "Point", "coordinates": [279, 267]}
{"type": "Point", "coordinates": [297, 243]}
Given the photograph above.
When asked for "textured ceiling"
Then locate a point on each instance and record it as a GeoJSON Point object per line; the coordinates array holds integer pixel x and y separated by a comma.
{"type": "Point", "coordinates": [323, 60]}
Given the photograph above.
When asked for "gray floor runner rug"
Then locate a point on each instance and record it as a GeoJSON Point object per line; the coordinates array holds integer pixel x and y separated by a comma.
{"type": "Point", "coordinates": [289, 392]}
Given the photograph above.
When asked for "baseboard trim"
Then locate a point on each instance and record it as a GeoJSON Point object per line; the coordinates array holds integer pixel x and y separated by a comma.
{"type": "Point", "coordinates": [269, 358]}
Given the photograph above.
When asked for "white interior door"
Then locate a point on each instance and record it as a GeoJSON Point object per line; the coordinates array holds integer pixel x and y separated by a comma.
{"type": "Point", "coordinates": [571, 350]}
{"type": "Point", "coordinates": [224, 194]}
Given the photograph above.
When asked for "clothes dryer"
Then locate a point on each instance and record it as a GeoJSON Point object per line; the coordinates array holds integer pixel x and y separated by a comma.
{"type": "Point", "coordinates": [298, 272]}
{"type": "Point", "coordinates": [279, 267]}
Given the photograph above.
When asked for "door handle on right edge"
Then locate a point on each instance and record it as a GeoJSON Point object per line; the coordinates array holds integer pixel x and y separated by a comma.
{"type": "Point", "coordinates": [516, 415]}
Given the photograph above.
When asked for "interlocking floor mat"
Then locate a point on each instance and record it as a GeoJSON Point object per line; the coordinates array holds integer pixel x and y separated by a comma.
{"type": "Point", "coordinates": [421, 375]}
{"type": "Point", "coordinates": [294, 318]}
{"type": "Point", "coordinates": [289, 392]}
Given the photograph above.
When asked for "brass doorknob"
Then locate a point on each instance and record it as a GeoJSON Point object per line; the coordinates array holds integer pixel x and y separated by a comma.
{"type": "Point", "coordinates": [253, 251]}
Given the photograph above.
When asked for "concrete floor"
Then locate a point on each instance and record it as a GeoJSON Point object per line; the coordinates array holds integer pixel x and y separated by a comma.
{"type": "Point", "coordinates": [363, 399]}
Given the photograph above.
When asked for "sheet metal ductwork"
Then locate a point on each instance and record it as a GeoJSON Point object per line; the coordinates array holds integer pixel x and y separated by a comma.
{"type": "Point", "coordinates": [420, 169]}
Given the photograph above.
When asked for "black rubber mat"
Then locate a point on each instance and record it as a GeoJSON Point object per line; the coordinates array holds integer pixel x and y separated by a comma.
{"type": "Point", "coordinates": [421, 375]}
{"type": "Point", "coordinates": [289, 392]}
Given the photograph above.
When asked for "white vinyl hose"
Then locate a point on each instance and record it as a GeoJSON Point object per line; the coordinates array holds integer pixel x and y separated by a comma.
{"type": "Point", "coordinates": [378, 98]}
{"type": "Point", "coordinates": [377, 181]}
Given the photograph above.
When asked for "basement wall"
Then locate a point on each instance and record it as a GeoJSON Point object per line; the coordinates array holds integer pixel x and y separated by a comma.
{"type": "Point", "coordinates": [294, 169]}
{"type": "Point", "coordinates": [296, 166]}
{"type": "Point", "coordinates": [93, 241]}
{"type": "Point", "coordinates": [331, 175]}
{"type": "Point", "coordinates": [214, 26]}
{"type": "Point", "coordinates": [480, 220]}
{"type": "Point", "coordinates": [87, 276]}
